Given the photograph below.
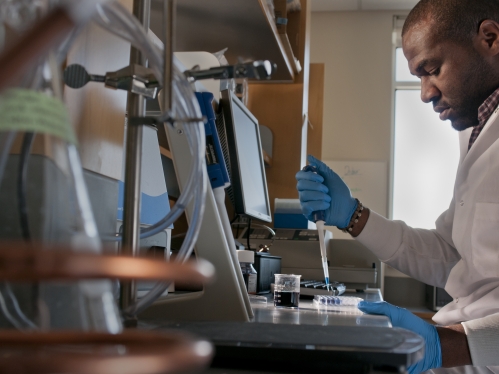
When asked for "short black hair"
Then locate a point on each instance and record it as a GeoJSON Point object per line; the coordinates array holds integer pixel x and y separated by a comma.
{"type": "Point", "coordinates": [456, 20]}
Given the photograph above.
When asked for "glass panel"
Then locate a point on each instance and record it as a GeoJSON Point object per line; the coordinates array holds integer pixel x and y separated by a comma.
{"type": "Point", "coordinates": [44, 202]}
{"type": "Point", "coordinates": [251, 171]}
{"type": "Point", "coordinates": [402, 73]}
{"type": "Point", "coordinates": [425, 161]}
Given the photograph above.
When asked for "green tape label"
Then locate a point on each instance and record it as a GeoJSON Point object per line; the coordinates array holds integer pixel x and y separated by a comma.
{"type": "Point", "coordinates": [28, 110]}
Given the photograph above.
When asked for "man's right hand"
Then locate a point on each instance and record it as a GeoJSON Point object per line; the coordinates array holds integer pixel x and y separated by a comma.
{"type": "Point", "coordinates": [403, 318]}
{"type": "Point", "coordinates": [325, 191]}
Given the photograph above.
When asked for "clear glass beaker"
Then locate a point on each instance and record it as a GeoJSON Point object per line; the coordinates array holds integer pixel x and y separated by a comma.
{"type": "Point", "coordinates": [45, 202]}
{"type": "Point", "coordinates": [287, 290]}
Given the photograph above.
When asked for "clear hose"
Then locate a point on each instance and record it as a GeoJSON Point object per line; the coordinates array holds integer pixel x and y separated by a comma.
{"type": "Point", "coordinates": [18, 319]}
{"type": "Point", "coordinates": [23, 322]}
{"type": "Point", "coordinates": [22, 14]}
{"type": "Point", "coordinates": [183, 255]}
{"type": "Point", "coordinates": [116, 19]}
{"type": "Point", "coordinates": [6, 139]}
{"type": "Point", "coordinates": [32, 81]}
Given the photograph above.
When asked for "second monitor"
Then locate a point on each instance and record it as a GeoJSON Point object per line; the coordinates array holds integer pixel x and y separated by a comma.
{"type": "Point", "coordinates": [243, 155]}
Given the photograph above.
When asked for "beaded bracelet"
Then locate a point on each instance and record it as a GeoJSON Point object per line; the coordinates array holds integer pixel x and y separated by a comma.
{"type": "Point", "coordinates": [355, 217]}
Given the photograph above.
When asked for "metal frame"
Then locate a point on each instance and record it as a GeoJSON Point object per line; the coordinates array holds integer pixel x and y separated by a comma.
{"type": "Point", "coordinates": [136, 107]}
{"type": "Point", "coordinates": [226, 298]}
{"type": "Point", "coordinates": [396, 43]}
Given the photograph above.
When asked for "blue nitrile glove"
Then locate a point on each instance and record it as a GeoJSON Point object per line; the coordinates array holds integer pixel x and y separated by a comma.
{"type": "Point", "coordinates": [403, 318]}
{"type": "Point", "coordinates": [325, 191]}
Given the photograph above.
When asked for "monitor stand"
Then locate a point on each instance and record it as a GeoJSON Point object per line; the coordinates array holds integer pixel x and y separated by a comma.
{"type": "Point", "coordinates": [226, 299]}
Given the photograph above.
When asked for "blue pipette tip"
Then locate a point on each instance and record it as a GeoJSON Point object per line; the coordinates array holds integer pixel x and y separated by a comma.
{"type": "Point", "coordinates": [327, 283]}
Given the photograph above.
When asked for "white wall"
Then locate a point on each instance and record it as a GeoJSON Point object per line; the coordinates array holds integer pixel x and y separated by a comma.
{"type": "Point", "coordinates": [356, 48]}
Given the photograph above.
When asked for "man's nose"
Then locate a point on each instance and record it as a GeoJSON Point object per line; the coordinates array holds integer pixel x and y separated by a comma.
{"type": "Point", "coordinates": [429, 92]}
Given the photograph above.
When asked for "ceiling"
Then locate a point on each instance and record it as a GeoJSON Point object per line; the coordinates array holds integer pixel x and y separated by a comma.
{"type": "Point", "coordinates": [339, 5]}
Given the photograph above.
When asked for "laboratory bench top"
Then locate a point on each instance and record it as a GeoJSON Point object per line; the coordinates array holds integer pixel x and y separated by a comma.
{"type": "Point", "coordinates": [309, 314]}
{"type": "Point", "coordinates": [305, 340]}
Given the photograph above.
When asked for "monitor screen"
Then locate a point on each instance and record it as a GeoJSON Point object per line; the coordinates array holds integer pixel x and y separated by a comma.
{"type": "Point", "coordinates": [248, 190]}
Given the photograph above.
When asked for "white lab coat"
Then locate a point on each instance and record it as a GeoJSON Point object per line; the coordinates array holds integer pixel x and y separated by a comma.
{"type": "Point", "coordinates": [462, 253]}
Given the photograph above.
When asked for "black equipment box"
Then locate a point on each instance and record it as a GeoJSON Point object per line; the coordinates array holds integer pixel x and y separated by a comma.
{"type": "Point", "coordinates": [436, 298]}
{"type": "Point", "coordinates": [307, 348]}
{"type": "Point", "coordinates": [266, 266]}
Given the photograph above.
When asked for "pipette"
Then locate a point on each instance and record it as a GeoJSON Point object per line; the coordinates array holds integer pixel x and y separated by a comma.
{"type": "Point", "coordinates": [319, 218]}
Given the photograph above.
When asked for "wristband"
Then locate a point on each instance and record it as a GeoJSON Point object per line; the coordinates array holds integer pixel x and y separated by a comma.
{"type": "Point", "coordinates": [355, 218]}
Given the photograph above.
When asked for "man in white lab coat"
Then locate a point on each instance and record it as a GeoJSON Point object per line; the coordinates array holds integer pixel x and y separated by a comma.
{"type": "Point", "coordinates": [453, 47]}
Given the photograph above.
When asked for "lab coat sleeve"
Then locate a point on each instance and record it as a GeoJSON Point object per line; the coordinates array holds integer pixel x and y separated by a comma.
{"type": "Point", "coordinates": [426, 255]}
{"type": "Point", "coordinates": [483, 340]}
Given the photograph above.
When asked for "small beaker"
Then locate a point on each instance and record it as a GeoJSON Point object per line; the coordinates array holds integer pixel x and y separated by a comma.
{"type": "Point", "coordinates": [287, 291]}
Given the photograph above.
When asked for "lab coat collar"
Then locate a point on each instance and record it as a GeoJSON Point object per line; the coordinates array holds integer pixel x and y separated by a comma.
{"type": "Point", "coordinates": [487, 137]}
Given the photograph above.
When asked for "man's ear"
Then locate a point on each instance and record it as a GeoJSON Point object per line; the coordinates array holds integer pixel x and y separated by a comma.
{"type": "Point", "coordinates": [487, 39]}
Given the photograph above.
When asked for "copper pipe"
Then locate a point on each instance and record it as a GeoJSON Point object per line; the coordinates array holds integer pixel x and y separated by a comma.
{"type": "Point", "coordinates": [33, 44]}
{"type": "Point", "coordinates": [131, 352]}
{"type": "Point", "coordinates": [21, 262]}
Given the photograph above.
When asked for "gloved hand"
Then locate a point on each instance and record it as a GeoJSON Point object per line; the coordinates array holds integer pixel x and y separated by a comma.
{"type": "Point", "coordinates": [403, 318]}
{"type": "Point", "coordinates": [325, 191]}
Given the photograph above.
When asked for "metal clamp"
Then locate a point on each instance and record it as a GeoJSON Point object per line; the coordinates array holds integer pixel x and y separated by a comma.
{"type": "Point", "coordinates": [256, 69]}
{"type": "Point", "coordinates": [133, 78]}
{"type": "Point", "coordinates": [154, 121]}
{"type": "Point", "coordinates": [140, 121]}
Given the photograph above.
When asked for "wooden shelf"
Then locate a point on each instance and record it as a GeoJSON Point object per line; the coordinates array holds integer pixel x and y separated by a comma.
{"type": "Point", "coordinates": [245, 27]}
{"type": "Point", "coordinates": [315, 110]}
{"type": "Point", "coordinates": [282, 108]}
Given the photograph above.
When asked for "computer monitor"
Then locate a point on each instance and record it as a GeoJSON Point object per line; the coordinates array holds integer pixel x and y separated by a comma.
{"type": "Point", "coordinates": [240, 137]}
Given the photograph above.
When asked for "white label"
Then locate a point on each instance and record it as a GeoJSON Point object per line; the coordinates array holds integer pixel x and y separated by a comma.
{"type": "Point", "coordinates": [252, 283]}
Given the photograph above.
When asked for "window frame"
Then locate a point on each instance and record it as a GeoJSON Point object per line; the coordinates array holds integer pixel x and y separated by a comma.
{"type": "Point", "coordinates": [398, 22]}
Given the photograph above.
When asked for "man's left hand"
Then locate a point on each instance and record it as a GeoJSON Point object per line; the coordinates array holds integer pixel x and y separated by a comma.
{"type": "Point", "coordinates": [403, 318]}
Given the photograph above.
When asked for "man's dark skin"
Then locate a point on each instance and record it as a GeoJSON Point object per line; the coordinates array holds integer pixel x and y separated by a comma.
{"type": "Point", "coordinates": [456, 78]}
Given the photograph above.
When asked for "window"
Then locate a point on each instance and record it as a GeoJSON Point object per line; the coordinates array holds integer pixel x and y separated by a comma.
{"type": "Point", "coordinates": [425, 154]}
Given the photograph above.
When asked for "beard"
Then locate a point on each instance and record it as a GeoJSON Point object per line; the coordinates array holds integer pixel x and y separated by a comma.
{"type": "Point", "coordinates": [474, 87]}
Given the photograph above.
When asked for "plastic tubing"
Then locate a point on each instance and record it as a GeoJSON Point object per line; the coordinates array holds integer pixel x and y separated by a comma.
{"type": "Point", "coordinates": [188, 244]}
{"type": "Point", "coordinates": [186, 106]}
{"type": "Point", "coordinates": [5, 288]}
{"type": "Point", "coordinates": [6, 139]}
{"type": "Point", "coordinates": [18, 319]}
{"type": "Point", "coordinates": [133, 31]}
{"type": "Point", "coordinates": [196, 140]}
{"type": "Point", "coordinates": [118, 20]}
{"type": "Point", "coordinates": [183, 255]}
{"type": "Point", "coordinates": [22, 181]}
{"type": "Point", "coordinates": [189, 241]}
{"type": "Point", "coordinates": [6, 313]}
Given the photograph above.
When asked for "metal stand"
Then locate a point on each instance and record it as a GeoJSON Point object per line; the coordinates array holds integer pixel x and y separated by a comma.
{"type": "Point", "coordinates": [226, 299]}
{"type": "Point", "coordinates": [136, 107]}
{"type": "Point", "coordinates": [169, 12]}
